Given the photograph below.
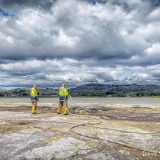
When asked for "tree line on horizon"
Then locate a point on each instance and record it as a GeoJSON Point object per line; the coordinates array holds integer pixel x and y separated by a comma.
{"type": "Point", "coordinates": [99, 90]}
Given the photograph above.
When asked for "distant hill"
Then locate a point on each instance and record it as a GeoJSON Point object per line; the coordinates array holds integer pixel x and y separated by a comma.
{"type": "Point", "coordinates": [91, 90]}
{"type": "Point", "coordinates": [116, 90]}
{"type": "Point", "coordinates": [25, 92]}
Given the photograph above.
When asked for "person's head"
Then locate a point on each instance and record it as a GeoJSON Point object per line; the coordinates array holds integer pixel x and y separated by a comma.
{"type": "Point", "coordinates": [63, 85]}
{"type": "Point", "coordinates": [34, 86]}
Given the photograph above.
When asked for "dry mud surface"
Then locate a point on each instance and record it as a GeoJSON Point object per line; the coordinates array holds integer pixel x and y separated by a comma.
{"type": "Point", "coordinates": [89, 133]}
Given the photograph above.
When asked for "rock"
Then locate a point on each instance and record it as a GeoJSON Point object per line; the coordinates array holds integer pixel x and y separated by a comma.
{"type": "Point", "coordinates": [14, 144]}
{"type": "Point", "coordinates": [146, 142]}
{"type": "Point", "coordinates": [110, 156]}
{"type": "Point", "coordinates": [62, 148]}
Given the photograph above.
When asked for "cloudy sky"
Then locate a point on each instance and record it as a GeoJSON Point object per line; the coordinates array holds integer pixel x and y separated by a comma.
{"type": "Point", "coordinates": [79, 41]}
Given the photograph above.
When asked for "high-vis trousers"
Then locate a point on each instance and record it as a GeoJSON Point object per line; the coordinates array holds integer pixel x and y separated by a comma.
{"type": "Point", "coordinates": [34, 107]}
{"type": "Point", "coordinates": [62, 105]}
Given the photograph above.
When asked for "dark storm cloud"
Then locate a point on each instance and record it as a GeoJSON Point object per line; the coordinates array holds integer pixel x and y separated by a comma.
{"type": "Point", "coordinates": [44, 4]}
{"type": "Point", "coordinates": [98, 36]}
{"type": "Point", "coordinates": [79, 41]}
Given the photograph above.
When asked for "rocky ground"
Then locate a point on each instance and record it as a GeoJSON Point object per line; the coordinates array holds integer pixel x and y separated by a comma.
{"type": "Point", "coordinates": [90, 133]}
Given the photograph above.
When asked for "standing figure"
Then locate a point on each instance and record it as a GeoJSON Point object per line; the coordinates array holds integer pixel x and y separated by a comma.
{"type": "Point", "coordinates": [34, 98]}
{"type": "Point", "coordinates": [63, 97]}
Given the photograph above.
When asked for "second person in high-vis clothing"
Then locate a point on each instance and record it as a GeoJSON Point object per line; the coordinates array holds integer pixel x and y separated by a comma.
{"type": "Point", "coordinates": [34, 98]}
{"type": "Point", "coordinates": [63, 97]}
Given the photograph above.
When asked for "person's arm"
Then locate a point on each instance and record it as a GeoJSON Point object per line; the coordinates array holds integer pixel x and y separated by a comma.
{"type": "Point", "coordinates": [37, 95]}
{"type": "Point", "coordinates": [67, 94]}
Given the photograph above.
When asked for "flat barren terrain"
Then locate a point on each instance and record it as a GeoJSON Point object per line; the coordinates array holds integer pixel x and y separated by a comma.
{"type": "Point", "coordinates": [90, 132]}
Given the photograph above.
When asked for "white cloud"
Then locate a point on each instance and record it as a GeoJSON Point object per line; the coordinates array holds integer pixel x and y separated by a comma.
{"type": "Point", "coordinates": [153, 50]}
{"type": "Point", "coordinates": [64, 40]}
{"type": "Point", "coordinates": [155, 14]}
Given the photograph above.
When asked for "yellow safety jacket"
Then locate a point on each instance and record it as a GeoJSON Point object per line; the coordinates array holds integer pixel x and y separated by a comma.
{"type": "Point", "coordinates": [33, 92]}
{"type": "Point", "coordinates": [63, 92]}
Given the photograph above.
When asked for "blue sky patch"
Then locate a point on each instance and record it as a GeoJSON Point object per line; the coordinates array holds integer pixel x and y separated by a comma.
{"type": "Point", "coordinates": [6, 13]}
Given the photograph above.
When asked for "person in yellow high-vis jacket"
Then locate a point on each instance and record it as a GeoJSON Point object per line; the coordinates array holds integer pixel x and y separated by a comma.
{"type": "Point", "coordinates": [34, 98]}
{"type": "Point", "coordinates": [63, 97]}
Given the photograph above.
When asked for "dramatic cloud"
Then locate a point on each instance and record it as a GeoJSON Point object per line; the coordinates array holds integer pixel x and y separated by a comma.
{"type": "Point", "coordinates": [79, 41]}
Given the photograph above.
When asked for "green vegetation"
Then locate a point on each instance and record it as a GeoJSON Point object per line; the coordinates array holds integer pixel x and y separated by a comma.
{"type": "Point", "coordinates": [116, 90]}
{"type": "Point", "coordinates": [91, 90]}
